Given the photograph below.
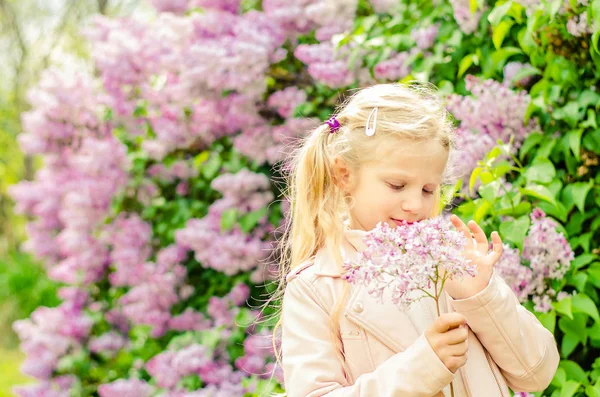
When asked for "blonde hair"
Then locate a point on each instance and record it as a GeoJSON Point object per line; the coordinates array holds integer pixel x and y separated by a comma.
{"type": "Point", "coordinates": [318, 207]}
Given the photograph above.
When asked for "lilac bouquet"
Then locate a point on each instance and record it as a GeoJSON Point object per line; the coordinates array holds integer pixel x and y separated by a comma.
{"type": "Point", "coordinates": [410, 259]}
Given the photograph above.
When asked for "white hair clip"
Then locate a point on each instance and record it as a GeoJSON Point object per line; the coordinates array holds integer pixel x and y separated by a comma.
{"type": "Point", "coordinates": [370, 131]}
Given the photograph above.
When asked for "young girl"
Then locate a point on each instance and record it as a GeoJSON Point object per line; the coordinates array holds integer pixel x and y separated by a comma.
{"type": "Point", "coordinates": [384, 157]}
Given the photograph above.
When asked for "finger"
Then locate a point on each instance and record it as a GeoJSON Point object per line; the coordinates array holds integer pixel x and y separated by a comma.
{"type": "Point", "coordinates": [458, 349]}
{"type": "Point", "coordinates": [460, 226]}
{"type": "Point", "coordinates": [448, 321]}
{"type": "Point", "coordinates": [456, 336]}
{"type": "Point", "coordinates": [480, 237]}
{"type": "Point", "coordinates": [497, 247]}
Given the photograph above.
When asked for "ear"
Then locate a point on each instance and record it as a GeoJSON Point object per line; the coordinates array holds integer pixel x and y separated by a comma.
{"type": "Point", "coordinates": [342, 176]}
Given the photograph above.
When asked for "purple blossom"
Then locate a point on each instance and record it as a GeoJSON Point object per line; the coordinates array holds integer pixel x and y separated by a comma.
{"type": "Point", "coordinates": [546, 256]}
{"type": "Point", "coordinates": [286, 101]}
{"type": "Point", "coordinates": [109, 342]}
{"type": "Point", "coordinates": [126, 387]}
{"type": "Point", "coordinates": [425, 36]}
{"type": "Point", "coordinates": [494, 112]}
{"type": "Point", "coordinates": [395, 68]}
{"type": "Point", "coordinates": [511, 69]}
{"type": "Point", "coordinates": [55, 387]}
{"type": "Point", "coordinates": [408, 259]}
{"type": "Point", "coordinates": [467, 21]}
{"type": "Point", "coordinates": [578, 25]}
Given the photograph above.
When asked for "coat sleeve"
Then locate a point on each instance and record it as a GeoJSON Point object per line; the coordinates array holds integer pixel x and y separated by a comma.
{"type": "Point", "coordinates": [311, 367]}
{"type": "Point", "coordinates": [525, 351]}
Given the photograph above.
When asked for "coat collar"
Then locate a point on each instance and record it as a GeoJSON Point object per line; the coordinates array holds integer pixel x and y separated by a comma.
{"type": "Point", "coordinates": [392, 326]}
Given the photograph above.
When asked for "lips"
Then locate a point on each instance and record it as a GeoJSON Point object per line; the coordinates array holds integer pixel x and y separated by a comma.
{"type": "Point", "coordinates": [404, 222]}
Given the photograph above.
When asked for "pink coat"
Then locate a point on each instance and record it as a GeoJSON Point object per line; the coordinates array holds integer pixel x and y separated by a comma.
{"type": "Point", "coordinates": [386, 349]}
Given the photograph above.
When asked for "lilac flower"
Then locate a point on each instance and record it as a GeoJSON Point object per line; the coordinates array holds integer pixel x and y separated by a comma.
{"type": "Point", "coordinates": [126, 387]}
{"type": "Point", "coordinates": [511, 69]}
{"type": "Point", "coordinates": [409, 259]}
{"type": "Point", "coordinates": [467, 21]}
{"type": "Point", "coordinates": [425, 37]}
{"type": "Point", "coordinates": [55, 387]}
{"type": "Point", "coordinates": [579, 26]}
{"type": "Point", "coordinates": [109, 342]}
{"type": "Point", "coordinates": [546, 256]}
{"type": "Point", "coordinates": [494, 112]}
{"type": "Point", "coordinates": [394, 68]}
{"type": "Point", "coordinates": [285, 101]}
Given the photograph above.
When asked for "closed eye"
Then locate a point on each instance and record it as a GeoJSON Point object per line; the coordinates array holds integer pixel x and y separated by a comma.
{"type": "Point", "coordinates": [396, 187]}
{"type": "Point", "coordinates": [400, 187]}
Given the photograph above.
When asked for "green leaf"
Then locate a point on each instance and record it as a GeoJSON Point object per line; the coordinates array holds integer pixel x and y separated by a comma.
{"type": "Point", "coordinates": [584, 304]}
{"type": "Point", "coordinates": [473, 178]}
{"type": "Point", "coordinates": [569, 388]}
{"type": "Point", "coordinates": [541, 170]}
{"type": "Point", "coordinates": [570, 113]}
{"type": "Point", "coordinates": [201, 158]}
{"type": "Point", "coordinates": [579, 191]}
{"type": "Point", "coordinates": [593, 391]}
{"type": "Point", "coordinates": [569, 344]}
{"type": "Point", "coordinates": [251, 219]}
{"type": "Point", "coordinates": [574, 139]}
{"type": "Point", "coordinates": [587, 98]}
{"type": "Point", "coordinates": [211, 166]}
{"type": "Point", "coordinates": [564, 306]}
{"type": "Point", "coordinates": [578, 280]}
{"type": "Point", "coordinates": [548, 320]}
{"type": "Point", "coordinates": [583, 260]}
{"type": "Point", "coordinates": [482, 210]}
{"type": "Point", "coordinates": [500, 56]}
{"type": "Point", "coordinates": [489, 191]}
{"type": "Point", "coordinates": [515, 231]}
{"type": "Point", "coordinates": [540, 192]}
{"type": "Point", "coordinates": [228, 219]}
{"type": "Point", "coordinates": [574, 371]}
{"type": "Point", "coordinates": [465, 64]}
{"type": "Point", "coordinates": [560, 377]}
{"type": "Point", "coordinates": [500, 32]}
{"type": "Point", "coordinates": [529, 143]}
{"type": "Point", "coordinates": [498, 13]}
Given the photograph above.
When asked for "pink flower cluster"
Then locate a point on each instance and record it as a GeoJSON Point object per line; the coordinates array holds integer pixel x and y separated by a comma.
{"type": "Point", "coordinates": [56, 387]}
{"type": "Point", "coordinates": [210, 363]}
{"type": "Point", "coordinates": [546, 256]}
{"type": "Point", "coordinates": [231, 251]}
{"type": "Point", "coordinates": [177, 67]}
{"type": "Point", "coordinates": [467, 21]}
{"type": "Point", "coordinates": [259, 353]}
{"type": "Point", "coordinates": [85, 166]}
{"type": "Point", "coordinates": [51, 333]}
{"type": "Point", "coordinates": [405, 261]}
{"type": "Point", "coordinates": [395, 68]}
{"type": "Point", "coordinates": [126, 387]}
{"type": "Point", "coordinates": [273, 144]}
{"type": "Point", "coordinates": [494, 112]}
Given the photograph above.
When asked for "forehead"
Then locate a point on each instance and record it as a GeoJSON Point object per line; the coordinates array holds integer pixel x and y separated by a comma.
{"type": "Point", "coordinates": [412, 160]}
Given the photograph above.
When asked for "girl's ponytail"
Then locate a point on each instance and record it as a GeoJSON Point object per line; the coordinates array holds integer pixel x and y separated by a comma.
{"type": "Point", "coordinates": [314, 220]}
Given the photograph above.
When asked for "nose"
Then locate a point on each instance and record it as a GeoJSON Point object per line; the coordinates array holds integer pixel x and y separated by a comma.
{"type": "Point", "coordinates": [412, 204]}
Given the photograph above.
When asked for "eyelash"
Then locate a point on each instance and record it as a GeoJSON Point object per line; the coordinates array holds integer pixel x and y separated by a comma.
{"type": "Point", "coordinates": [394, 187]}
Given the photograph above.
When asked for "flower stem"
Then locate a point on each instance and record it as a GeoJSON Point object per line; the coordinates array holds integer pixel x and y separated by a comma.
{"type": "Point", "coordinates": [437, 307]}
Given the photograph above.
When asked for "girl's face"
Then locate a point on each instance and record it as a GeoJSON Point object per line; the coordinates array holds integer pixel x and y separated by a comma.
{"type": "Point", "coordinates": [399, 185]}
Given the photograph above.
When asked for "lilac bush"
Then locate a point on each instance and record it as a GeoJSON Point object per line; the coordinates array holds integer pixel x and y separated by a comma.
{"type": "Point", "coordinates": [546, 256]}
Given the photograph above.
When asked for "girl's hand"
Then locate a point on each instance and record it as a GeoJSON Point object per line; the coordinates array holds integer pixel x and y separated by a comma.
{"type": "Point", "coordinates": [479, 254]}
{"type": "Point", "coordinates": [447, 336]}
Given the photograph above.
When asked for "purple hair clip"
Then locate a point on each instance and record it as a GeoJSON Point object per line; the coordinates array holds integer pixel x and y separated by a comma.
{"type": "Point", "coordinates": [333, 124]}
